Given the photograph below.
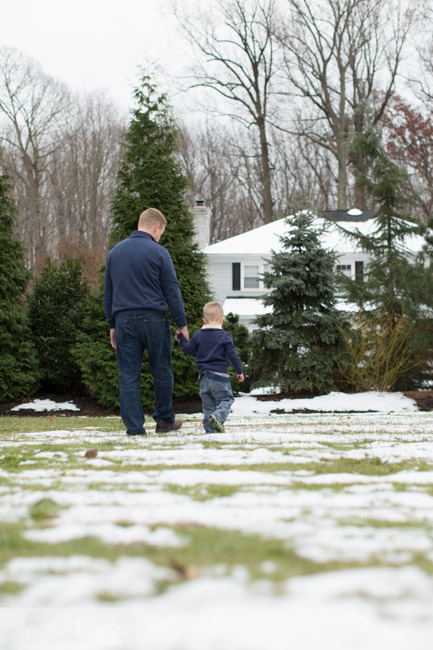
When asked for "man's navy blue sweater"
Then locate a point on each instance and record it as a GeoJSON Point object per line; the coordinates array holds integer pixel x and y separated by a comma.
{"type": "Point", "coordinates": [213, 349]}
{"type": "Point", "coordinates": [140, 278]}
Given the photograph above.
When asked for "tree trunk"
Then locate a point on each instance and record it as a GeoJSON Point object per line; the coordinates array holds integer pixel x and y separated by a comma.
{"type": "Point", "coordinates": [360, 199]}
{"type": "Point", "coordinates": [268, 206]}
{"type": "Point", "coordinates": [342, 174]}
{"type": "Point", "coordinates": [359, 161]}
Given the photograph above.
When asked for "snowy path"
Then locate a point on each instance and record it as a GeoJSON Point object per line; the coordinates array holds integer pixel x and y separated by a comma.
{"type": "Point", "coordinates": [287, 531]}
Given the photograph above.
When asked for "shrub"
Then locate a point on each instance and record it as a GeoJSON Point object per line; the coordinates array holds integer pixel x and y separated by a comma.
{"type": "Point", "coordinates": [57, 308]}
{"type": "Point", "coordinates": [379, 352]}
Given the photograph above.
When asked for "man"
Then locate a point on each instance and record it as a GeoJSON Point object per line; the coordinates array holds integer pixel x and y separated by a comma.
{"type": "Point", "coordinates": [139, 280]}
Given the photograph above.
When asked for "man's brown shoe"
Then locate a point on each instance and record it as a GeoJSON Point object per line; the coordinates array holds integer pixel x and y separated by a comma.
{"type": "Point", "coordinates": [162, 426]}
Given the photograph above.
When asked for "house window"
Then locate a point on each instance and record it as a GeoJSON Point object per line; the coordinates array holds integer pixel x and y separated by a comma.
{"type": "Point", "coordinates": [236, 276]}
{"type": "Point", "coordinates": [346, 269]}
{"type": "Point", "coordinates": [251, 277]}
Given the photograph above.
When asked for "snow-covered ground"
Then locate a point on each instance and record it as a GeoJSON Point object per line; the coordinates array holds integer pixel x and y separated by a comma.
{"type": "Point", "coordinates": [342, 503]}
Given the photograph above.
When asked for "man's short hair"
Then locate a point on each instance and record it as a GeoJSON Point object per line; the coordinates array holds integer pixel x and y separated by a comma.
{"type": "Point", "coordinates": [213, 311]}
{"type": "Point", "coordinates": [150, 218]}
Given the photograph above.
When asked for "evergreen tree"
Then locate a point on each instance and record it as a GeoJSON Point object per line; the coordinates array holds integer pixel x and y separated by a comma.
{"type": "Point", "coordinates": [57, 307]}
{"type": "Point", "coordinates": [19, 374]}
{"type": "Point", "coordinates": [386, 287]}
{"type": "Point", "coordinates": [241, 339]}
{"type": "Point", "coordinates": [394, 284]}
{"type": "Point", "coordinates": [299, 342]}
{"type": "Point", "coordinates": [150, 176]}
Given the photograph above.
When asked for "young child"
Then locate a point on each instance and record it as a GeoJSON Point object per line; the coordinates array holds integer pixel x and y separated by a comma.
{"type": "Point", "coordinates": [213, 349]}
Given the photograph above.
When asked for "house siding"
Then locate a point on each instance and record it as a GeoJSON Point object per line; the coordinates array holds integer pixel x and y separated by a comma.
{"type": "Point", "coordinates": [220, 274]}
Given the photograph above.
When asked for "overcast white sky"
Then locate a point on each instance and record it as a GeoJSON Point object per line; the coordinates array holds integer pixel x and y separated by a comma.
{"type": "Point", "coordinates": [92, 44]}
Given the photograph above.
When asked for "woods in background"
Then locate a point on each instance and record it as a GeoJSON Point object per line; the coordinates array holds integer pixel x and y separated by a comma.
{"type": "Point", "coordinates": [283, 90]}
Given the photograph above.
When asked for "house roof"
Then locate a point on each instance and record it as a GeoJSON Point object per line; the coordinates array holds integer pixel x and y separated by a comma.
{"type": "Point", "coordinates": [261, 241]}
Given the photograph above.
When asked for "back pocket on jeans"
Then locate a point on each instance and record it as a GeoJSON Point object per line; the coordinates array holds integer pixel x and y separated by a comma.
{"type": "Point", "coordinates": [156, 329]}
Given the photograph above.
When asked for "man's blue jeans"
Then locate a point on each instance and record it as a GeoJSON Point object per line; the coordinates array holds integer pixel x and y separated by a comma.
{"type": "Point", "coordinates": [134, 334]}
{"type": "Point", "coordinates": [217, 398]}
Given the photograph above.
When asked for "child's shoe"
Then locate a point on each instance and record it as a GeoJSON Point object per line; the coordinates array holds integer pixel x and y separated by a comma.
{"type": "Point", "coordinates": [216, 423]}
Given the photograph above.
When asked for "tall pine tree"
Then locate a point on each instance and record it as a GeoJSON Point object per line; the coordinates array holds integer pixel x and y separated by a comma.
{"type": "Point", "coordinates": [298, 341]}
{"type": "Point", "coordinates": [150, 176]}
{"type": "Point", "coordinates": [387, 285]}
{"type": "Point", "coordinates": [395, 283]}
{"type": "Point", "coordinates": [19, 374]}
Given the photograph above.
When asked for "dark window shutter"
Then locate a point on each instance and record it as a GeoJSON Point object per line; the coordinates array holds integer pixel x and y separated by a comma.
{"type": "Point", "coordinates": [236, 276]}
{"type": "Point", "coordinates": [359, 271]}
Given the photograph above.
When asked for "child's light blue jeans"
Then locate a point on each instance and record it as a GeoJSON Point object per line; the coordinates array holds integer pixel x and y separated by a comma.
{"type": "Point", "coordinates": [217, 398]}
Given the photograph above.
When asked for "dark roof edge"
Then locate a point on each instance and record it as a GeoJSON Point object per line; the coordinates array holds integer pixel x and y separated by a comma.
{"type": "Point", "coordinates": [343, 215]}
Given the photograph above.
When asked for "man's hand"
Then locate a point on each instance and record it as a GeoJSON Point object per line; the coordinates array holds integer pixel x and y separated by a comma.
{"type": "Point", "coordinates": [182, 330]}
{"type": "Point", "coordinates": [240, 377]}
{"type": "Point", "coordinates": [113, 338]}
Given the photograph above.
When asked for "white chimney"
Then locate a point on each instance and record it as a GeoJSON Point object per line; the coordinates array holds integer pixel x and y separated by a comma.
{"type": "Point", "coordinates": [201, 217]}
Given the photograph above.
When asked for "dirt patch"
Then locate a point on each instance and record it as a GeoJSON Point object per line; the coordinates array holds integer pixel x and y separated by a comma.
{"type": "Point", "coordinates": [276, 397]}
{"type": "Point", "coordinates": [88, 406]}
{"type": "Point", "coordinates": [423, 398]}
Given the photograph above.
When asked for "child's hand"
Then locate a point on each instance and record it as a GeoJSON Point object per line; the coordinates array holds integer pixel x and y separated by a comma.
{"type": "Point", "coordinates": [184, 331]}
{"type": "Point", "coordinates": [176, 337]}
{"type": "Point", "coordinates": [240, 377]}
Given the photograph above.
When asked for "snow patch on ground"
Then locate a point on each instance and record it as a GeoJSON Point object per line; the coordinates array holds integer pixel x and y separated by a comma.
{"type": "Point", "coordinates": [40, 405]}
{"type": "Point", "coordinates": [333, 402]}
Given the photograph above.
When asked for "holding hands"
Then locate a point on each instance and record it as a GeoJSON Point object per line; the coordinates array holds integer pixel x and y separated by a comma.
{"type": "Point", "coordinates": [181, 330]}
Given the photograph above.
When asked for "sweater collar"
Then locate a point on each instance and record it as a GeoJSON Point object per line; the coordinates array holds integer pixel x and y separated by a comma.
{"type": "Point", "coordinates": [140, 233]}
{"type": "Point", "coordinates": [211, 327]}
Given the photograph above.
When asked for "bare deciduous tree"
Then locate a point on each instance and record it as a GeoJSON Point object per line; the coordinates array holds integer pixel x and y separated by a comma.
{"type": "Point", "coordinates": [87, 163]}
{"type": "Point", "coordinates": [63, 153]}
{"type": "Point", "coordinates": [305, 175]}
{"type": "Point", "coordinates": [32, 106]}
{"type": "Point", "coordinates": [215, 167]}
{"type": "Point", "coordinates": [222, 168]}
{"type": "Point", "coordinates": [338, 54]}
{"type": "Point", "coordinates": [236, 54]}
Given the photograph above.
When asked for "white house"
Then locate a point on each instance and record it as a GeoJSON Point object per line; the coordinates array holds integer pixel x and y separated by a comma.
{"type": "Point", "coordinates": [235, 265]}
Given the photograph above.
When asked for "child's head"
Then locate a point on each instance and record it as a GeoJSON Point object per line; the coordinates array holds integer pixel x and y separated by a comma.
{"type": "Point", "coordinates": [213, 313]}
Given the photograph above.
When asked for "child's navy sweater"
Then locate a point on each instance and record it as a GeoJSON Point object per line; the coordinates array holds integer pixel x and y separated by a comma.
{"type": "Point", "coordinates": [213, 349]}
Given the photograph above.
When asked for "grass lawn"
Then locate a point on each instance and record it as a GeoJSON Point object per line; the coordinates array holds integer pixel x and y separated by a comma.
{"type": "Point", "coordinates": [230, 537]}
